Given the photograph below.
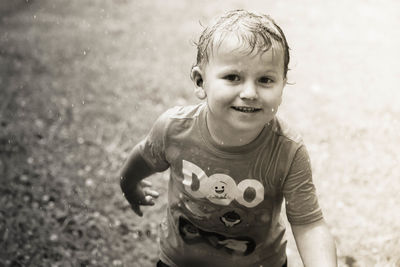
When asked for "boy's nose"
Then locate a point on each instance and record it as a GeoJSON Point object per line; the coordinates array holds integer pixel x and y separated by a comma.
{"type": "Point", "coordinates": [249, 91]}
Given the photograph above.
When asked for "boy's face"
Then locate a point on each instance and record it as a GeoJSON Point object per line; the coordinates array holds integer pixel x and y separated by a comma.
{"type": "Point", "coordinates": [243, 91]}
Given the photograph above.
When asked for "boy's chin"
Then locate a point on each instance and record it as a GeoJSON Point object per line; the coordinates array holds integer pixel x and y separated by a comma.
{"type": "Point", "coordinates": [247, 126]}
{"type": "Point", "coordinates": [248, 122]}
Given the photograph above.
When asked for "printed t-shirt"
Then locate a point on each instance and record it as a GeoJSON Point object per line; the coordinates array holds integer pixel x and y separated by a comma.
{"type": "Point", "coordinates": [224, 203]}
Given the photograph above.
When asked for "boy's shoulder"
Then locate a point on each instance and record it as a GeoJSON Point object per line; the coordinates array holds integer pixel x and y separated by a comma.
{"type": "Point", "coordinates": [178, 118]}
{"type": "Point", "coordinates": [283, 129]}
{"type": "Point", "coordinates": [184, 112]}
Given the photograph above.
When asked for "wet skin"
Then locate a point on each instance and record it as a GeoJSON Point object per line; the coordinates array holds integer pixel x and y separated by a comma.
{"type": "Point", "coordinates": [243, 91]}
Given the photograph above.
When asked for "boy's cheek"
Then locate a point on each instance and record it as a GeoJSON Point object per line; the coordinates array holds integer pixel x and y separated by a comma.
{"type": "Point", "coordinates": [220, 95]}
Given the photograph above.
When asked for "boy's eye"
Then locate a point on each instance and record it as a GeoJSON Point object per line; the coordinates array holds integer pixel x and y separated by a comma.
{"type": "Point", "coordinates": [265, 80]}
{"type": "Point", "coordinates": [232, 77]}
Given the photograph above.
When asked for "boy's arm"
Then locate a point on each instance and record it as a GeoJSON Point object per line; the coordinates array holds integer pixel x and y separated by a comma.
{"type": "Point", "coordinates": [315, 244]}
{"type": "Point", "coordinates": [135, 190]}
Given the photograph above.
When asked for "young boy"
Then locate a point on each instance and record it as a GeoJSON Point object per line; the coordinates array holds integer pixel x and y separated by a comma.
{"type": "Point", "coordinates": [232, 161]}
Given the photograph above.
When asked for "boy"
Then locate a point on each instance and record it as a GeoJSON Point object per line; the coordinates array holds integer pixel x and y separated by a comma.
{"type": "Point", "coordinates": [232, 161]}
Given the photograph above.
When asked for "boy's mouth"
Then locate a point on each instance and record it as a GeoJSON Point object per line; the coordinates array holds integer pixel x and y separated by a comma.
{"type": "Point", "coordinates": [246, 109]}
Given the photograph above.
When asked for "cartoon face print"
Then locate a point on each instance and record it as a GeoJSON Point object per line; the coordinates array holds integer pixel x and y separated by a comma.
{"type": "Point", "coordinates": [231, 219]}
{"type": "Point", "coordinates": [238, 246]}
{"type": "Point", "coordinates": [191, 234]}
{"type": "Point", "coordinates": [221, 189]}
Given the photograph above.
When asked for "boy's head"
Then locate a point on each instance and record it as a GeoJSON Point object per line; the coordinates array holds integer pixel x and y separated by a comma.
{"type": "Point", "coordinates": [241, 68]}
{"type": "Point", "coordinates": [257, 33]}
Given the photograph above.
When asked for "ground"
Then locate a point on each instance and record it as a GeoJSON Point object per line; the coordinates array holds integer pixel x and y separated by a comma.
{"type": "Point", "coordinates": [82, 81]}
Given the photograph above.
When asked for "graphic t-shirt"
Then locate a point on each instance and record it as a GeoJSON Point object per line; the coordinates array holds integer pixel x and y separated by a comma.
{"type": "Point", "coordinates": [224, 203]}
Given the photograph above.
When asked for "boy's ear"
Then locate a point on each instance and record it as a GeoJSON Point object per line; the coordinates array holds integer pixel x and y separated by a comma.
{"type": "Point", "coordinates": [197, 77]}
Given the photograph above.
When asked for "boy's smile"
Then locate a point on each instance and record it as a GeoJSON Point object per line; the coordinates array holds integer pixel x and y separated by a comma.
{"type": "Point", "coordinates": [246, 109]}
{"type": "Point", "coordinates": [243, 90]}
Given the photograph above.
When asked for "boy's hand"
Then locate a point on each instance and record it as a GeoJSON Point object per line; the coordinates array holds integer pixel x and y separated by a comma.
{"type": "Point", "coordinates": [142, 195]}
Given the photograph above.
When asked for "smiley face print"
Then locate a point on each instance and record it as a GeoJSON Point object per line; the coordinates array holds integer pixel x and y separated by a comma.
{"type": "Point", "coordinates": [221, 189]}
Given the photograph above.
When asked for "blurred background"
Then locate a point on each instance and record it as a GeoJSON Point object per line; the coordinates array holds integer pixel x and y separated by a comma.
{"type": "Point", "coordinates": [81, 82]}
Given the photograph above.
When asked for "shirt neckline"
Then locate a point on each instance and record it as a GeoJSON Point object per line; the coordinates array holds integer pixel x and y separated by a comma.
{"type": "Point", "coordinates": [229, 150]}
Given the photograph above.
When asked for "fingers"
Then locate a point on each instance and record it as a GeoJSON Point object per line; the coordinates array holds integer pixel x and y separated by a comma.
{"type": "Point", "coordinates": [152, 193]}
{"type": "Point", "coordinates": [149, 193]}
{"type": "Point", "coordinates": [148, 201]}
{"type": "Point", "coordinates": [145, 197]}
{"type": "Point", "coordinates": [145, 183]}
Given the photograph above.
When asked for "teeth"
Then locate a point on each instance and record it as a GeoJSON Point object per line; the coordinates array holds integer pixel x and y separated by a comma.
{"type": "Point", "coordinates": [246, 109]}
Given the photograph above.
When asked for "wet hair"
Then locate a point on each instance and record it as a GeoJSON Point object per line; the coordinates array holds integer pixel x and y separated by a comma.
{"type": "Point", "coordinates": [256, 32]}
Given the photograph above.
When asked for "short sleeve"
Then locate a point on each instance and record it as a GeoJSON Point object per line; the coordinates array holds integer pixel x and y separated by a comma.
{"type": "Point", "coordinates": [152, 148]}
{"type": "Point", "coordinates": [299, 191]}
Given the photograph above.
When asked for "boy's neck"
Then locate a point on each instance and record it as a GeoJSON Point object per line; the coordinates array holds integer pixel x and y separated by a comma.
{"type": "Point", "coordinates": [227, 137]}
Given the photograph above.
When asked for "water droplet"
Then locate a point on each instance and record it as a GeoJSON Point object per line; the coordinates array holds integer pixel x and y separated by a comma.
{"type": "Point", "coordinates": [23, 178]}
{"type": "Point", "coordinates": [53, 237]}
{"type": "Point", "coordinates": [51, 205]}
{"type": "Point", "coordinates": [135, 235]}
{"type": "Point", "coordinates": [117, 262]}
{"type": "Point", "coordinates": [89, 183]}
{"type": "Point", "coordinates": [164, 226]}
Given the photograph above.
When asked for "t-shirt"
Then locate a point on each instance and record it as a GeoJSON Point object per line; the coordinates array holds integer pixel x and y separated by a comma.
{"type": "Point", "coordinates": [224, 203]}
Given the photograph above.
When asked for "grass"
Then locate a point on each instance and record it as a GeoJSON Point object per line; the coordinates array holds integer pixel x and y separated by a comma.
{"type": "Point", "coordinates": [82, 81]}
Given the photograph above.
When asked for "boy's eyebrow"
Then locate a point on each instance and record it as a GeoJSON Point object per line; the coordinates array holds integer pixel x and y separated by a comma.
{"type": "Point", "coordinates": [270, 71]}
